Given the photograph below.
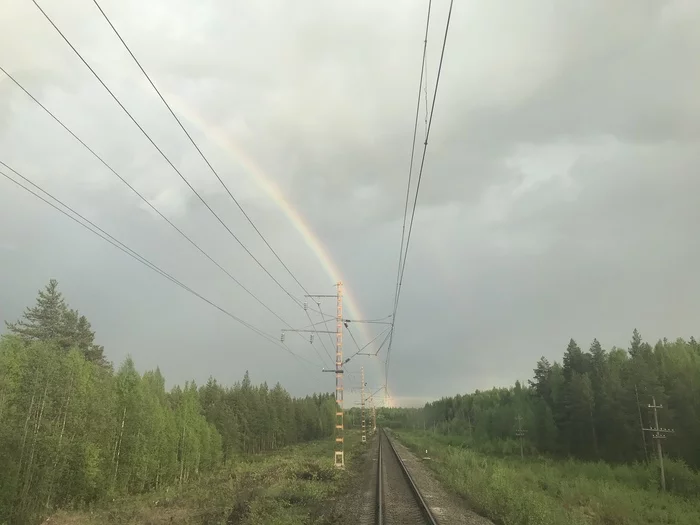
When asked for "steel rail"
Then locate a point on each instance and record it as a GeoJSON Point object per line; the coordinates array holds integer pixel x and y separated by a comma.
{"type": "Point", "coordinates": [420, 500]}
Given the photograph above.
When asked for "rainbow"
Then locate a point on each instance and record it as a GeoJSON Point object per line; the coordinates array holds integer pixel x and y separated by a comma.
{"type": "Point", "coordinates": [251, 167]}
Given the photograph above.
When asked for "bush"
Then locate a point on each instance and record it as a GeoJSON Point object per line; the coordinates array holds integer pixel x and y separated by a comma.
{"type": "Point", "coordinates": [543, 491]}
{"type": "Point", "coordinates": [315, 471]}
{"type": "Point", "coordinates": [680, 479]}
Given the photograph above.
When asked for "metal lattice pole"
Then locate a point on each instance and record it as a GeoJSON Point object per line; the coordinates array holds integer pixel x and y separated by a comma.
{"type": "Point", "coordinates": [362, 403]}
{"type": "Point", "coordinates": [339, 455]}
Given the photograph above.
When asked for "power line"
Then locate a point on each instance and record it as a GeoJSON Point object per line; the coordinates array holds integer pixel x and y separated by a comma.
{"type": "Point", "coordinates": [313, 325]}
{"type": "Point", "coordinates": [206, 204]}
{"type": "Point", "coordinates": [103, 234]}
{"type": "Point", "coordinates": [284, 345]}
{"type": "Point", "coordinates": [425, 144]}
{"type": "Point", "coordinates": [384, 332]}
{"type": "Point", "coordinates": [347, 327]}
{"type": "Point", "coordinates": [320, 312]}
{"type": "Point", "coordinates": [89, 225]}
{"type": "Point", "coordinates": [325, 321]}
{"type": "Point", "coordinates": [402, 258]}
{"type": "Point", "coordinates": [311, 342]}
{"type": "Point", "coordinates": [201, 154]}
{"type": "Point", "coordinates": [140, 196]}
{"type": "Point", "coordinates": [413, 151]}
{"type": "Point", "coordinates": [425, 93]}
{"type": "Point", "coordinates": [386, 338]}
{"type": "Point", "coordinates": [408, 191]}
{"type": "Point", "coordinates": [369, 321]}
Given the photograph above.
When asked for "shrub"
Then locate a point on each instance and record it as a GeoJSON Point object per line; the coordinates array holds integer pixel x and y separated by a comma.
{"type": "Point", "coordinates": [544, 491]}
{"type": "Point", "coordinates": [680, 479]}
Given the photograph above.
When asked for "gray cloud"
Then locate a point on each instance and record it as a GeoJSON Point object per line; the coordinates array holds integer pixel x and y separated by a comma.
{"type": "Point", "coordinates": [558, 197]}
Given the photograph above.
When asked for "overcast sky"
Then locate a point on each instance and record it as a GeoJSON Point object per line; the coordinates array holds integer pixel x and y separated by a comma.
{"type": "Point", "coordinates": [559, 196]}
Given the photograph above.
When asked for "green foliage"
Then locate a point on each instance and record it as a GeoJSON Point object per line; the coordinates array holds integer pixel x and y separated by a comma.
{"type": "Point", "coordinates": [585, 408]}
{"type": "Point", "coordinates": [290, 486]}
{"type": "Point", "coordinates": [52, 320]}
{"type": "Point", "coordinates": [553, 492]}
{"type": "Point", "coordinates": [253, 419]}
{"type": "Point", "coordinates": [74, 432]}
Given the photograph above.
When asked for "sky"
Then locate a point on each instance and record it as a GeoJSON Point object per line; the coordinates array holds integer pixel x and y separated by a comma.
{"type": "Point", "coordinates": [558, 197]}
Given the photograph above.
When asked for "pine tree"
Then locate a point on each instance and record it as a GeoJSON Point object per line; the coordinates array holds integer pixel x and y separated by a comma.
{"type": "Point", "coordinates": [51, 320]}
{"type": "Point", "coordinates": [45, 321]}
{"type": "Point", "coordinates": [541, 384]}
{"type": "Point", "coordinates": [574, 361]}
{"type": "Point", "coordinates": [636, 343]}
{"type": "Point", "coordinates": [73, 432]}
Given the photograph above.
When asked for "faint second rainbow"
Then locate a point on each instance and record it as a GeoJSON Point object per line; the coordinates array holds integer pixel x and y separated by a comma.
{"type": "Point", "coordinates": [253, 169]}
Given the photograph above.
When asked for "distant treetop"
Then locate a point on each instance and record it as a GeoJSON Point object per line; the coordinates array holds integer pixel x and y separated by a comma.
{"type": "Point", "coordinates": [52, 320]}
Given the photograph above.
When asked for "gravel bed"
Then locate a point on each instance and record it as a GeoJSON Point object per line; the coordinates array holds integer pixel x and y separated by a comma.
{"type": "Point", "coordinates": [400, 506]}
{"type": "Point", "coordinates": [446, 508]}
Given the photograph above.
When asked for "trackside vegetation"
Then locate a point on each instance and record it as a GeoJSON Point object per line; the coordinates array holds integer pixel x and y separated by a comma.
{"type": "Point", "coordinates": [294, 485]}
{"type": "Point", "coordinates": [586, 458]}
{"type": "Point", "coordinates": [548, 491]}
{"type": "Point", "coordinates": [589, 407]}
{"type": "Point", "coordinates": [75, 432]}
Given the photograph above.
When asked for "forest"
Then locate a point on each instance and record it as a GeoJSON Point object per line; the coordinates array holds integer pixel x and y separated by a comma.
{"type": "Point", "coordinates": [591, 406]}
{"type": "Point", "coordinates": [74, 431]}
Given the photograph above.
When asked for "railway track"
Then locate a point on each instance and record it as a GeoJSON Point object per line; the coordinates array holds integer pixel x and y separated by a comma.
{"type": "Point", "coordinates": [398, 500]}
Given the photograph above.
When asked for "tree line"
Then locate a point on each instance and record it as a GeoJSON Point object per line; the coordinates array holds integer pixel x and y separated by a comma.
{"type": "Point", "coordinates": [590, 406]}
{"type": "Point", "coordinates": [73, 431]}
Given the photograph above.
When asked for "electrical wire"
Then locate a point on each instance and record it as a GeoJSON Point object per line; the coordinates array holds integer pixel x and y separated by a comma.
{"type": "Point", "coordinates": [377, 391]}
{"type": "Point", "coordinates": [413, 151]}
{"type": "Point", "coordinates": [369, 321]}
{"type": "Point", "coordinates": [320, 357]}
{"type": "Point", "coordinates": [300, 357]}
{"type": "Point", "coordinates": [201, 154]}
{"type": "Point", "coordinates": [325, 319]}
{"type": "Point", "coordinates": [143, 131]}
{"type": "Point", "coordinates": [386, 338]}
{"type": "Point", "coordinates": [306, 327]}
{"type": "Point", "coordinates": [402, 258]}
{"type": "Point", "coordinates": [425, 144]}
{"type": "Point", "coordinates": [140, 196]}
{"type": "Point", "coordinates": [383, 332]}
{"type": "Point", "coordinates": [425, 93]}
{"type": "Point", "coordinates": [313, 325]}
{"type": "Point", "coordinates": [347, 327]}
{"type": "Point", "coordinates": [89, 225]}
{"type": "Point", "coordinates": [408, 190]}
{"type": "Point", "coordinates": [359, 349]}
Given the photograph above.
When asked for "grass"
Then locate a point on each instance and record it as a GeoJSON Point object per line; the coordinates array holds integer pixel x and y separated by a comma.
{"type": "Point", "coordinates": [541, 491]}
{"type": "Point", "coordinates": [292, 486]}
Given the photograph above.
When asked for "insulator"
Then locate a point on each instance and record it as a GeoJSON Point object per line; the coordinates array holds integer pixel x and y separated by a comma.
{"type": "Point", "coordinates": [311, 339]}
{"type": "Point", "coordinates": [306, 305]}
{"type": "Point", "coordinates": [282, 337]}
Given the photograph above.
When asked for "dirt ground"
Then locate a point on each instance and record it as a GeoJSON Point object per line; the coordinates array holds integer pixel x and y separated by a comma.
{"type": "Point", "coordinates": [359, 492]}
